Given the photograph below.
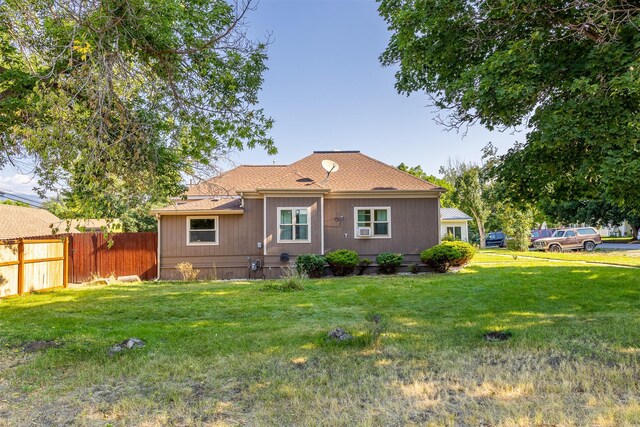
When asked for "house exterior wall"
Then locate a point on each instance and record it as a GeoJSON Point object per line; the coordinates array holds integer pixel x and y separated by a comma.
{"type": "Point", "coordinates": [238, 240]}
{"type": "Point", "coordinates": [455, 223]}
{"type": "Point", "coordinates": [315, 226]}
{"type": "Point", "coordinates": [414, 226]}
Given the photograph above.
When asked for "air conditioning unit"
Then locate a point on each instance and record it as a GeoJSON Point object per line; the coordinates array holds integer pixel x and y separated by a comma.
{"type": "Point", "coordinates": [364, 232]}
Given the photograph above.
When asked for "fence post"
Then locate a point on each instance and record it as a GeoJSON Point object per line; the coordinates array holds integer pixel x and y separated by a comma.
{"type": "Point", "coordinates": [65, 274]}
{"type": "Point", "coordinates": [20, 267]}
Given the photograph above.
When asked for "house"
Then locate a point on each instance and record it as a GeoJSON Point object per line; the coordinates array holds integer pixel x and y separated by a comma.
{"type": "Point", "coordinates": [455, 222]}
{"type": "Point", "coordinates": [21, 222]}
{"type": "Point", "coordinates": [93, 225]}
{"type": "Point", "coordinates": [253, 220]}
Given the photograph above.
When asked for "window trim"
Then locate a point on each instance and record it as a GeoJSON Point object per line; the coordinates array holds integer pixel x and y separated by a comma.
{"type": "Point", "coordinates": [217, 230]}
{"type": "Point", "coordinates": [371, 208]}
{"type": "Point", "coordinates": [293, 224]}
{"type": "Point", "coordinates": [454, 231]}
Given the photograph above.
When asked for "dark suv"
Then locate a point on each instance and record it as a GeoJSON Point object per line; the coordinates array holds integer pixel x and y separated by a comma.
{"type": "Point", "coordinates": [496, 238]}
{"type": "Point", "coordinates": [541, 234]}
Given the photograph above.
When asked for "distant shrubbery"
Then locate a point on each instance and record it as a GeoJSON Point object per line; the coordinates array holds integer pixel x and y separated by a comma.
{"type": "Point", "coordinates": [342, 261]}
{"type": "Point", "coordinates": [311, 265]}
{"type": "Point", "coordinates": [447, 254]}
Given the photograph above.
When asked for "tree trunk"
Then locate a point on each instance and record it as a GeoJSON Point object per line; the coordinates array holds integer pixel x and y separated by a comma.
{"type": "Point", "coordinates": [634, 231]}
{"type": "Point", "coordinates": [480, 232]}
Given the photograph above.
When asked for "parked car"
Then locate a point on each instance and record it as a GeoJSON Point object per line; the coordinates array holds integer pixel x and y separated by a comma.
{"type": "Point", "coordinates": [541, 234]}
{"type": "Point", "coordinates": [496, 238]}
{"type": "Point", "coordinates": [566, 239]}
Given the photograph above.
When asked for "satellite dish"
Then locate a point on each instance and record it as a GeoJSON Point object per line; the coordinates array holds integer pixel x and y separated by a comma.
{"type": "Point", "coordinates": [330, 166]}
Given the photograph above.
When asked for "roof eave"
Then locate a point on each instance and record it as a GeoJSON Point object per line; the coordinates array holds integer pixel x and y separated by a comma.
{"type": "Point", "coordinates": [197, 212]}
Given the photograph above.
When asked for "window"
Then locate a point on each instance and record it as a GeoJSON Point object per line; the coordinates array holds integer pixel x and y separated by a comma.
{"type": "Point", "coordinates": [586, 231]}
{"type": "Point", "coordinates": [455, 231]}
{"type": "Point", "coordinates": [202, 230]}
{"type": "Point", "coordinates": [293, 225]}
{"type": "Point", "coordinates": [372, 222]}
{"type": "Point", "coordinates": [570, 233]}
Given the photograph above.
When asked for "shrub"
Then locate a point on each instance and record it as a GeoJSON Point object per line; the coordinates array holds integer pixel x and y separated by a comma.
{"type": "Point", "coordinates": [414, 268]}
{"type": "Point", "coordinates": [362, 266]}
{"type": "Point", "coordinates": [389, 262]}
{"type": "Point", "coordinates": [447, 254]}
{"type": "Point", "coordinates": [311, 265]}
{"type": "Point", "coordinates": [187, 271]}
{"type": "Point", "coordinates": [292, 280]}
{"type": "Point", "coordinates": [342, 261]}
{"type": "Point", "coordinates": [467, 251]}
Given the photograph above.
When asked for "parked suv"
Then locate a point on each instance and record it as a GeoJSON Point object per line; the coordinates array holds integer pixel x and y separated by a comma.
{"type": "Point", "coordinates": [496, 238]}
{"type": "Point", "coordinates": [541, 234]}
{"type": "Point", "coordinates": [566, 239]}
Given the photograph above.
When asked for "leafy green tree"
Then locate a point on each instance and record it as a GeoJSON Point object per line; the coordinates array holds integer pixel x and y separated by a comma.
{"type": "Point", "coordinates": [568, 72]}
{"type": "Point", "coordinates": [445, 198]}
{"type": "Point", "coordinates": [120, 98]}
{"type": "Point", "coordinates": [517, 224]}
{"type": "Point", "coordinates": [14, 203]}
{"type": "Point", "coordinates": [470, 192]}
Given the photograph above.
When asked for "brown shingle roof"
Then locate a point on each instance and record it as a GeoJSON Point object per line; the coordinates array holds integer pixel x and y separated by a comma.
{"type": "Point", "coordinates": [18, 221]}
{"type": "Point", "coordinates": [357, 172]}
{"type": "Point", "coordinates": [224, 204]}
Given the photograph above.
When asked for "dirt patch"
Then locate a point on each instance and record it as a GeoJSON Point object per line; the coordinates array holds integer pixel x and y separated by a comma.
{"type": "Point", "coordinates": [34, 346]}
{"type": "Point", "coordinates": [497, 336]}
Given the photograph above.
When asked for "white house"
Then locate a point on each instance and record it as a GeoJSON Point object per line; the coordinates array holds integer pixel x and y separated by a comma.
{"type": "Point", "coordinates": [455, 222]}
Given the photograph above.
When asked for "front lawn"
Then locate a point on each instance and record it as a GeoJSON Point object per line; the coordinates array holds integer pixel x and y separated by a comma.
{"type": "Point", "coordinates": [615, 257]}
{"type": "Point", "coordinates": [223, 353]}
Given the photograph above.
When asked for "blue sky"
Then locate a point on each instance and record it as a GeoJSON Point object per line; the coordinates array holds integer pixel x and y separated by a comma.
{"type": "Point", "coordinates": [326, 90]}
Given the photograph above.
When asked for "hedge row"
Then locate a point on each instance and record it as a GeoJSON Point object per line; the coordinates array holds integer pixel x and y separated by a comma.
{"type": "Point", "coordinates": [344, 261]}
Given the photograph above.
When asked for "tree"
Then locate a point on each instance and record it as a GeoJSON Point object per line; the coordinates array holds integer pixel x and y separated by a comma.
{"type": "Point", "coordinates": [469, 193]}
{"type": "Point", "coordinates": [516, 224]}
{"type": "Point", "coordinates": [14, 203]}
{"type": "Point", "coordinates": [568, 71]}
{"type": "Point", "coordinates": [120, 98]}
{"type": "Point", "coordinates": [445, 198]}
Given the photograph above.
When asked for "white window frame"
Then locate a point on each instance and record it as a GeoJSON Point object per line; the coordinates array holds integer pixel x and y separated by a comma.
{"type": "Point", "coordinates": [293, 224]}
{"type": "Point", "coordinates": [454, 230]}
{"type": "Point", "coordinates": [216, 229]}
{"type": "Point", "coordinates": [371, 208]}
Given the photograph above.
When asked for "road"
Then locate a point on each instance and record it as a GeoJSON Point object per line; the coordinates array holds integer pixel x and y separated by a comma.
{"type": "Point", "coordinates": [620, 246]}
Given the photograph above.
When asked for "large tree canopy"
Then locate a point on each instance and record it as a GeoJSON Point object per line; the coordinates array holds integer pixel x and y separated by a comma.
{"type": "Point", "coordinates": [568, 71]}
{"type": "Point", "coordinates": [127, 95]}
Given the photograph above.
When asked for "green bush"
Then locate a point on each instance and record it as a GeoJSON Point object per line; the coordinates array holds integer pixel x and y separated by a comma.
{"type": "Point", "coordinates": [342, 261]}
{"type": "Point", "coordinates": [389, 262]}
{"type": "Point", "coordinates": [447, 254]}
{"type": "Point", "coordinates": [467, 250]}
{"type": "Point", "coordinates": [311, 265]}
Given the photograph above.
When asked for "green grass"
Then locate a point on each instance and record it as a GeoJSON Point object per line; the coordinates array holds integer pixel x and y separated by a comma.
{"type": "Point", "coordinates": [618, 239]}
{"type": "Point", "coordinates": [616, 257]}
{"type": "Point", "coordinates": [231, 353]}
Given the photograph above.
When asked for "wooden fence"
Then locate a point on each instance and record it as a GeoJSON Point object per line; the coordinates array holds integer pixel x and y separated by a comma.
{"type": "Point", "coordinates": [129, 254]}
{"type": "Point", "coordinates": [33, 265]}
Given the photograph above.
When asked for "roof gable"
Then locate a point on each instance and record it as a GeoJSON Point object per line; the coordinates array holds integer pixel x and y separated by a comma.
{"type": "Point", "coordinates": [17, 222]}
{"type": "Point", "coordinates": [357, 173]}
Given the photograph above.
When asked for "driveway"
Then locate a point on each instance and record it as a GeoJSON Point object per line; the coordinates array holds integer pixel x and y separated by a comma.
{"type": "Point", "coordinates": [620, 246]}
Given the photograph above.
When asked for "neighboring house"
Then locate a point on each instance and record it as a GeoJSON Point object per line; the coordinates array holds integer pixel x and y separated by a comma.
{"type": "Point", "coordinates": [455, 222]}
{"type": "Point", "coordinates": [20, 222]}
{"type": "Point", "coordinates": [95, 225]}
{"type": "Point", "coordinates": [264, 216]}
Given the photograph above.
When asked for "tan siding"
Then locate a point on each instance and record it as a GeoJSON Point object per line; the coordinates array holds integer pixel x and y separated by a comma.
{"type": "Point", "coordinates": [275, 248]}
{"type": "Point", "coordinates": [414, 225]}
{"type": "Point", "coordinates": [238, 239]}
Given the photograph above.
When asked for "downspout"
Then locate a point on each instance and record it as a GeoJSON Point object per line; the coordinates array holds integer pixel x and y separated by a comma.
{"type": "Point", "coordinates": [158, 249]}
{"type": "Point", "coordinates": [264, 225]}
{"type": "Point", "coordinates": [439, 220]}
{"type": "Point", "coordinates": [322, 224]}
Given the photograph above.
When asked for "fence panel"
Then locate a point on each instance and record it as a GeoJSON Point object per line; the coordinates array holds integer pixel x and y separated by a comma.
{"type": "Point", "coordinates": [32, 265]}
{"type": "Point", "coordinates": [130, 254]}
